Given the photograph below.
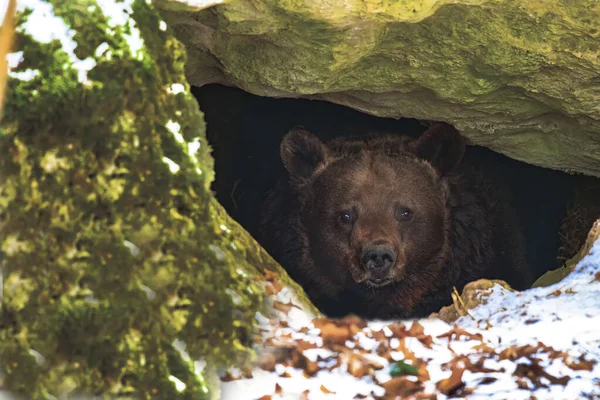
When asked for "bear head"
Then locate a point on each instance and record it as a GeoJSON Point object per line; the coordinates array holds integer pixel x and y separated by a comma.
{"type": "Point", "coordinates": [374, 211]}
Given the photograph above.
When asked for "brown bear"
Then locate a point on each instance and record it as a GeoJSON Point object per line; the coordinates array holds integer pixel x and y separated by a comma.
{"type": "Point", "coordinates": [385, 226]}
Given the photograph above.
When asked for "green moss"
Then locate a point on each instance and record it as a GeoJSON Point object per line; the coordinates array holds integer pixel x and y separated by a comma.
{"type": "Point", "coordinates": [519, 76]}
{"type": "Point", "coordinates": [112, 246]}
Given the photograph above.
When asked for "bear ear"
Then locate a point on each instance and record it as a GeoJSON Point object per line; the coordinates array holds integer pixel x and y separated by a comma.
{"type": "Point", "coordinates": [442, 145]}
{"type": "Point", "coordinates": [302, 153]}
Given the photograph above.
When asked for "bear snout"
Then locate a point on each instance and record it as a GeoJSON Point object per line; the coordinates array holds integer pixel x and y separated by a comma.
{"type": "Point", "coordinates": [378, 258]}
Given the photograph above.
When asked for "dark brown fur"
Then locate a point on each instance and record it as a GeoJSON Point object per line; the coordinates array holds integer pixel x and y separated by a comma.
{"type": "Point", "coordinates": [460, 227]}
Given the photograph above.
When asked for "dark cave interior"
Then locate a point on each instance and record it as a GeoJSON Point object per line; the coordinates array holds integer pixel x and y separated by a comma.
{"type": "Point", "coordinates": [245, 131]}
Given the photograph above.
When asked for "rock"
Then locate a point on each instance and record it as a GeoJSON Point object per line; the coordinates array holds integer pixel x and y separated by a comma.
{"type": "Point", "coordinates": [552, 277]}
{"type": "Point", "coordinates": [520, 77]}
{"type": "Point", "coordinates": [119, 267]}
{"type": "Point", "coordinates": [474, 294]}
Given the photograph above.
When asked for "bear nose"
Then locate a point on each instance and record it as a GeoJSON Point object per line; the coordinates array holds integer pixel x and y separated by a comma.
{"type": "Point", "coordinates": [378, 257]}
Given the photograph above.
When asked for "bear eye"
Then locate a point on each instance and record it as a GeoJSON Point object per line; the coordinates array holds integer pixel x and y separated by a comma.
{"type": "Point", "coordinates": [346, 217]}
{"type": "Point", "coordinates": [404, 214]}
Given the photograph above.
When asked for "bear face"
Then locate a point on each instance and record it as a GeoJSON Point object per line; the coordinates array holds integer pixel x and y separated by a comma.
{"type": "Point", "coordinates": [371, 218]}
{"type": "Point", "coordinates": [386, 226]}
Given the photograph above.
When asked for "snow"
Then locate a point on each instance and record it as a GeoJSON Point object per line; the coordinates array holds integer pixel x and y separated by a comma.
{"type": "Point", "coordinates": [562, 317]}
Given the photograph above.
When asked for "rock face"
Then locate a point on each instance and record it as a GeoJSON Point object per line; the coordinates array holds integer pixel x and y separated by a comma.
{"type": "Point", "coordinates": [520, 77]}
{"type": "Point", "coordinates": [119, 268]}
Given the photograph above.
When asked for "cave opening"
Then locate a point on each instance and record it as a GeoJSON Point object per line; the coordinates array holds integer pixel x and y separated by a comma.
{"type": "Point", "coordinates": [555, 209]}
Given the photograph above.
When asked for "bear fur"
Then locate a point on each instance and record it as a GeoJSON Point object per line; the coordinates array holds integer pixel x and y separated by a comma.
{"type": "Point", "coordinates": [385, 226]}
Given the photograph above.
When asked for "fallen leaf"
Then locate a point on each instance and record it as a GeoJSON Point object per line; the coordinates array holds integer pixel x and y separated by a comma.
{"type": "Point", "coordinates": [556, 293]}
{"type": "Point", "coordinates": [484, 348]}
{"type": "Point", "coordinates": [582, 364]}
{"type": "Point", "coordinates": [228, 377]}
{"type": "Point", "coordinates": [400, 368]}
{"type": "Point", "coordinates": [416, 329]}
{"type": "Point", "coordinates": [278, 389]}
{"type": "Point", "coordinates": [398, 329]}
{"type": "Point", "coordinates": [401, 386]}
{"type": "Point", "coordinates": [302, 345]}
{"type": "Point", "coordinates": [457, 333]}
{"type": "Point", "coordinates": [333, 334]}
{"type": "Point", "coordinates": [299, 360]}
{"type": "Point", "coordinates": [273, 278]}
{"type": "Point", "coordinates": [357, 366]}
{"type": "Point", "coordinates": [325, 390]}
{"type": "Point", "coordinates": [265, 397]}
{"type": "Point", "coordinates": [454, 382]}
{"type": "Point", "coordinates": [534, 372]}
{"type": "Point", "coordinates": [478, 366]}
{"type": "Point", "coordinates": [284, 308]}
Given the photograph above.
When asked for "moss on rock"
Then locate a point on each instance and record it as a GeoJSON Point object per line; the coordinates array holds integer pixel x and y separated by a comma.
{"type": "Point", "coordinates": [520, 77]}
{"type": "Point", "coordinates": [112, 246]}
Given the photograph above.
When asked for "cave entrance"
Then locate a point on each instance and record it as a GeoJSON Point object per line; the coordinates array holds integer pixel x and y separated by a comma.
{"type": "Point", "coordinates": [556, 209]}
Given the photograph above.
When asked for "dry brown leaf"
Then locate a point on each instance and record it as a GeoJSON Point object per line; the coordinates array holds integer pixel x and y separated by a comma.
{"type": "Point", "coordinates": [453, 383]}
{"type": "Point", "coordinates": [478, 366]}
{"type": "Point", "coordinates": [423, 372]}
{"type": "Point", "coordinates": [597, 277]}
{"type": "Point", "coordinates": [265, 397]}
{"type": "Point", "coordinates": [357, 367]}
{"type": "Point", "coordinates": [416, 329]}
{"type": "Point", "coordinates": [299, 360]}
{"type": "Point", "coordinates": [273, 278]}
{"type": "Point", "coordinates": [514, 352]}
{"type": "Point", "coordinates": [484, 348]}
{"type": "Point", "coordinates": [302, 345]}
{"type": "Point", "coordinates": [398, 329]}
{"type": "Point", "coordinates": [378, 335]}
{"type": "Point", "coordinates": [284, 307]}
{"type": "Point", "coordinates": [227, 377]}
{"type": "Point", "coordinates": [401, 386]}
{"type": "Point", "coordinates": [556, 293]}
{"type": "Point", "coordinates": [325, 390]}
{"type": "Point", "coordinates": [278, 389]}
{"type": "Point", "coordinates": [534, 372]}
{"type": "Point", "coordinates": [333, 334]}
{"type": "Point", "coordinates": [408, 354]}
{"type": "Point", "coordinates": [457, 333]}
{"type": "Point", "coordinates": [580, 364]}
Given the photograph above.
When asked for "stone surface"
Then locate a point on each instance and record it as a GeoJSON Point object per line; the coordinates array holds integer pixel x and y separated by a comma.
{"type": "Point", "coordinates": [119, 268]}
{"type": "Point", "coordinates": [520, 77]}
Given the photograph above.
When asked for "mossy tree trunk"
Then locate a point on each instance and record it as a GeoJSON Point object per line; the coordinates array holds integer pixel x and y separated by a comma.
{"type": "Point", "coordinates": [112, 245]}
